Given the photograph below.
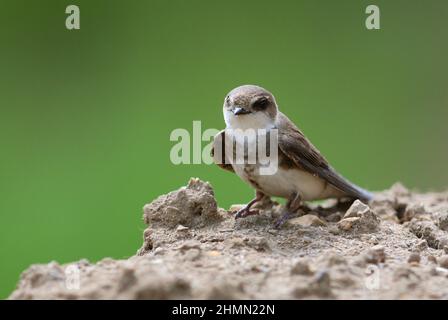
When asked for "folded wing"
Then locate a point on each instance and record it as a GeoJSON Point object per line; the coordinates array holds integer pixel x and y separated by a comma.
{"type": "Point", "coordinates": [298, 149]}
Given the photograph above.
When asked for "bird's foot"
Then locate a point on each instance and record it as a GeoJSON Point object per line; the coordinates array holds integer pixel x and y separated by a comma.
{"type": "Point", "coordinates": [245, 212]}
{"type": "Point", "coordinates": [281, 221]}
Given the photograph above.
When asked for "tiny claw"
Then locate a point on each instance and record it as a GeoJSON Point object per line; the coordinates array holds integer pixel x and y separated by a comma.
{"type": "Point", "coordinates": [245, 212]}
{"type": "Point", "coordinates": [281, 221]}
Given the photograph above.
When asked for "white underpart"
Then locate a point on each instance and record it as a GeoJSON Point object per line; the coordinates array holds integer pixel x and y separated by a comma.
{"type": "Point", "coordinates": [284, 182]}
{"type": "Point", "coordinates": [257, 120]}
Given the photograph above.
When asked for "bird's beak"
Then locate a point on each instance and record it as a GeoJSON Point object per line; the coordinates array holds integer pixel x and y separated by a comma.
{"type": "Point", "coordinates": [240, 110]}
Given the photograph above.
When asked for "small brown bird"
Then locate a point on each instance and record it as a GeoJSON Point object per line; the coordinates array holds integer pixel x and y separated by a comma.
{"type": "Point", "coordinates": [303, 174]}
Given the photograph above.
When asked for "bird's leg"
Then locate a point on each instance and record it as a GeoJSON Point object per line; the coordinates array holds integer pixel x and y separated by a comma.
{"type": "Point", "coordinates": [244, 212]}
{"type": "Point", "coordinates": [293, 204]}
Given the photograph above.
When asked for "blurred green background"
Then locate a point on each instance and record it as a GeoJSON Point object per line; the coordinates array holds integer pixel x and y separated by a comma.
{"type": "Point", "coordinates": [85, 116]}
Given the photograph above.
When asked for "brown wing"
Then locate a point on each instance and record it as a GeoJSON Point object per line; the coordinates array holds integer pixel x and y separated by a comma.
{"type": "Point", "coordinates": [298, 149]}
{"type": "Point", "coordinates": [220, 157]}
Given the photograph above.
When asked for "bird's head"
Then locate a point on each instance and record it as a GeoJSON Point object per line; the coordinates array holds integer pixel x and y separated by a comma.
{"type": "Point", "coordinates": [250, 107]}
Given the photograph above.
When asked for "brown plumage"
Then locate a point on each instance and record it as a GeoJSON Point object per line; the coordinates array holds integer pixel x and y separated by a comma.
{"type": "Point", "coordinates": [303, 173]}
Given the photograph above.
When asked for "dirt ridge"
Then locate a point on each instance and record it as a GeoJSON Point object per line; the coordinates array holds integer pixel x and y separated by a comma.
{"type": "Point", "coordinates": [394, 247]}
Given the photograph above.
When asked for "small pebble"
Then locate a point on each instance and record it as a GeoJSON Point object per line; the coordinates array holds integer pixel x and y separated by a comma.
{"type": "Point", "coordinates": [414, 258]}
{"type": "Point", "coordinates": [442, 271]}
{"type": "Point", "coordinates": [375, 255]}
{"type": "Point", "coordinates": [443, 261]}
{"type": "Point", "coordinates": [213, 253]}
{"type": "Point", "coordinates": [335, 259]}
{"type": "Point", "coordinates": [307, 220]}
{"type": "Point", "coordinates": [432, 259]}
{"type": "Point", "coordinates": [159, 251]}
{"type": "Point", "coordinates": [181, 228]}
{"type": "Point", "coordinates": [321, 284]}
{"type": "Point", "coordinates": [301, 267]}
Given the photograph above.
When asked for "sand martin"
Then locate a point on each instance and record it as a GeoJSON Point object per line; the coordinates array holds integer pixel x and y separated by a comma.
{"type": "Point", "coordinates": [303, 174]}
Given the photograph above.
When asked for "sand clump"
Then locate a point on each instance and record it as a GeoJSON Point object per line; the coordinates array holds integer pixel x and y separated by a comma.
{"type": "Point", "coordinates": [394, 247]}
{"type": "Point", "coordinates": [192, 206]}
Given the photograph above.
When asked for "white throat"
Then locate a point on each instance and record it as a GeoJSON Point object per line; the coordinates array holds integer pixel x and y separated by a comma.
{"type": "Point", "coordinates": [257, 120]}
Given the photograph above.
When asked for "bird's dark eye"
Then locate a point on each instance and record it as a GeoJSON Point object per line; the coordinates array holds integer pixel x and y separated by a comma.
{"type": "Point", "coordinates": [261, 103]}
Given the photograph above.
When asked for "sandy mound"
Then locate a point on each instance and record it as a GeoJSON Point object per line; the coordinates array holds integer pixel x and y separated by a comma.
{"type": "Point", "coordinates": [391, 248]}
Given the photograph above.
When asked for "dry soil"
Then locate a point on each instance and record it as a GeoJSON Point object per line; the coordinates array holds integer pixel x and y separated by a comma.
{"type": "Point", "coordinates": [391, 248]}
